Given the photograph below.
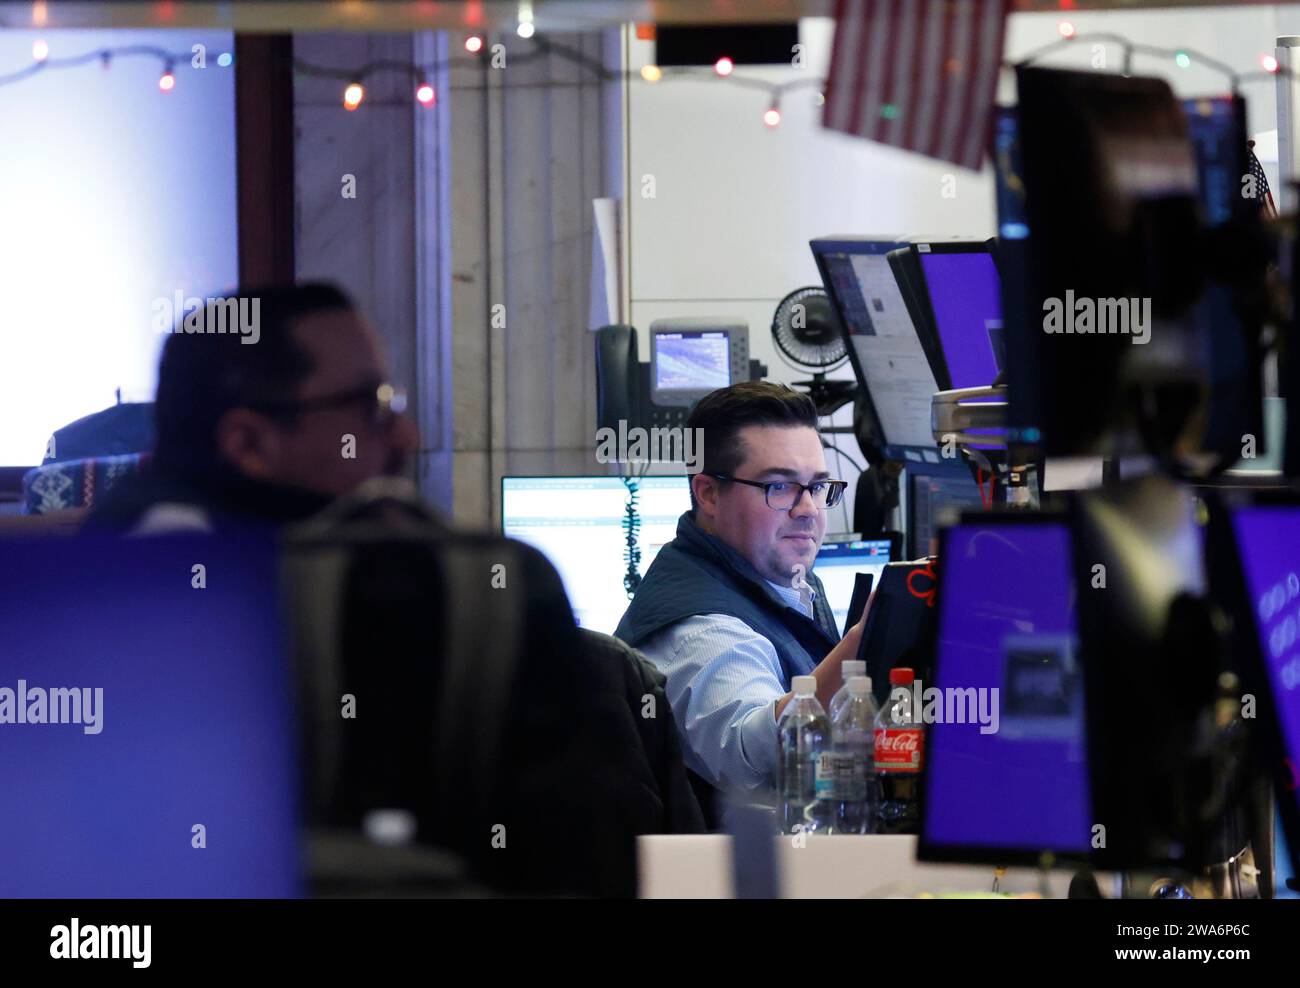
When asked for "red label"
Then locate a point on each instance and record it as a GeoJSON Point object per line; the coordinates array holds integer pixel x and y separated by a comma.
{"type": "Point", "coordinates": [899, 749]}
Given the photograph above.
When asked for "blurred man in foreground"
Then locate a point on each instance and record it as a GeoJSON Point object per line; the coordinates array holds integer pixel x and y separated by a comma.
{"type": "Point", "coordinates": [271, 430]}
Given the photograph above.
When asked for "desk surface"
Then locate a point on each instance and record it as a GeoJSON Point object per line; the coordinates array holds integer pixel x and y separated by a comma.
{"type": "Point", "coordinates": [843, 867]}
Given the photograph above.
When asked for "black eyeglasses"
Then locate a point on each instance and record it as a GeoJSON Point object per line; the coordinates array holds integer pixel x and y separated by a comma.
{"type": "Point", "coordinates": [380, 403]}
{"type": "Point", "coordinates": [783, 495]}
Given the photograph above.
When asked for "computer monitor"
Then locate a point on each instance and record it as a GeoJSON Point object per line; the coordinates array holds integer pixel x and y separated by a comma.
{"type": "Point", "coordinates": [1267, 547]}
{"type": "Point", "coordinates": [690, 356]}
{"type": "Point", "coordinates": [1225, 331]}
{"type": "Point", "coordinates": [1007, 769]}
{"type": "Point", "coordinates": [1215, 125]}
{"type": "Point", "coordinates": [1228, 353]}
{"type": "Point", "coordinates": [962, 293]}
{"type": "Point", "coordinates": [155, 756]}
{"type": "Point", "coordinates": [936, 496]}
{"type": "Point", "coordinates": [1111, 190]}
{"type": "Point", "coordinates": [582, 525]}
{"type": "Point", "coordinates": [838, 564]}
{"type": "Point", "coordinates": [887, 354]}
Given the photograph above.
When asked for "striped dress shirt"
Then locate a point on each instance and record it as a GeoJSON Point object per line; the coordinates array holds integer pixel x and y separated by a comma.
{"type": "Point", "coordinates": [724, 680]}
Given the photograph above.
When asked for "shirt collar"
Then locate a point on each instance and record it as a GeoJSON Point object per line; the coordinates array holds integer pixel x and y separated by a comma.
{"type": "Point", "coordinates": [794, 598]}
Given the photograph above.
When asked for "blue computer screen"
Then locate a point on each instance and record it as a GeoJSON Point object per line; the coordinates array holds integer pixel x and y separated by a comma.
{"type": "Point", "coordinates": [1268, 540]}
{"type": "Point", "coordinates": [1215, 132]}
{"type": "Point", "coordinates": [146, 724]}
{"type": "Point", "coordinates": [964, 295]}
{"type": "Point", "coordinates": [1015, 774]}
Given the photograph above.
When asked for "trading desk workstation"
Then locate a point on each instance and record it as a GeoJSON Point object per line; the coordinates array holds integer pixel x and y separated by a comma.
{"type": "Point", "coordinates": [1107, 674]}
{"type": "Point", "coordinates": [1120, 624]}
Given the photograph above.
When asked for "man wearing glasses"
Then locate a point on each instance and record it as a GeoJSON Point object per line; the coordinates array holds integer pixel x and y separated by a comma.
{"type": "Point", "coordinates": [270, 431]}
{"type": "Point", "coordinates": [730, 610]}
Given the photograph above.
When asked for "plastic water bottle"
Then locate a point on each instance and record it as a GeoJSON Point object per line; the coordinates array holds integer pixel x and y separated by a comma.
{"type": "Point", "coordinates": [848, 668]}
{"type": "Point", "coordinates": [806, 777]}
{"type": "Point", "coordinates": [853, 743]}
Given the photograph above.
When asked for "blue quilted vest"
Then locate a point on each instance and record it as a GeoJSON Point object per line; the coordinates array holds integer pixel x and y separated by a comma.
{"type": "Point", "coordinates": [698, 574]}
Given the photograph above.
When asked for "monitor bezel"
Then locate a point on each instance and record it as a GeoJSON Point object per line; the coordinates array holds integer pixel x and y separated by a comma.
{"type": "Point", "coordinates": [906, 267]}
{"type": "Point", "coordinates": [926, 306]}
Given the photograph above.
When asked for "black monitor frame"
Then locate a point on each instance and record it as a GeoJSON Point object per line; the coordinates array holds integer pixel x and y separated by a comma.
{"type": "Point", "coordinates": [924, 305]}
{"type": "Point", "coordinates": [926, 850]}
{"type": "Point", "coordinates": [906, 266]}
{"type": "Point", "coordinates": [1095, 236]}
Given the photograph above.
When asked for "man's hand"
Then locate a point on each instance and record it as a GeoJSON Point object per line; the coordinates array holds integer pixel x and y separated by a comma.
{"type": "Point", "coordinates": [830, 677]}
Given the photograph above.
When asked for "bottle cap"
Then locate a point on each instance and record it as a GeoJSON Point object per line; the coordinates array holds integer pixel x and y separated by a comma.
{"type": "Point", "coordinates": [853, 667]}
{"type": "Point", "coordinates": [859, 685]}
{"type": "Point", "coordinates": [804, 685]}
{"type": "Point", "coordinates": [901, 676]}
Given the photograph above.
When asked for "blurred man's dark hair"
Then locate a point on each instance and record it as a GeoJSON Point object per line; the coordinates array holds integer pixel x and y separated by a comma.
{"type": "Point", "coordinates": [201, 376]}
{"type": "Point", "coordinates": [271, 403]}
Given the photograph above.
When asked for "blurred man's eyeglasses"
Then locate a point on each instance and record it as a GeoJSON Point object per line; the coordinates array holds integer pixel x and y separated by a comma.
{"type": "Point", "coordinates": [783, 495]}
{"type": "Point", "coordinates": [380, 403]}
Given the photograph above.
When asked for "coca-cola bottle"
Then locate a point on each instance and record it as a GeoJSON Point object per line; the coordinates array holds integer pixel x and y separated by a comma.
{"type": "Point", "coordinates": [900, 746]}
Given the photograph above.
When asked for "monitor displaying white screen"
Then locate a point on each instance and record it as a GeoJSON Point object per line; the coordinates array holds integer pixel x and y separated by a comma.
{"type": "Point", "coordinates": [102, 231]}
{"type": "Point", "coordinates": [839, 563]}
{"type": "Point", "coordinates": [578, 523]}
{"type": "Point", "coordinates": [697, 360]}
{"type": "Point", "coordinates": [887, 352]}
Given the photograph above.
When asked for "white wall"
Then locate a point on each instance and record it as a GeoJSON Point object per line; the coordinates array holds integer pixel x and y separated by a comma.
{"type": "Point", "coordinates": [736, 202]}
{"type": "Point", "coordinates": [112, 194]}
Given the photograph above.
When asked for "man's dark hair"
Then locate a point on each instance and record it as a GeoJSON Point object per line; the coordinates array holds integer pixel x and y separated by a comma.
{"type": "Point", "coordinates": [723, 413]}
{"type": "Point", "coordinates": [201, 376]}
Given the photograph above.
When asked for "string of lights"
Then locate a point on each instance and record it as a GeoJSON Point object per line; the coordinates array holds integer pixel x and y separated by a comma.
{"type": "Point", "coordinates": [478, 54]}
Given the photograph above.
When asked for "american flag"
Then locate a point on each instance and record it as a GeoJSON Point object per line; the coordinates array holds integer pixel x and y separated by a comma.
{"type": "Point", "coordinates": [1267, 208]}
{"type": "Point", "coordinates": [917, 74]}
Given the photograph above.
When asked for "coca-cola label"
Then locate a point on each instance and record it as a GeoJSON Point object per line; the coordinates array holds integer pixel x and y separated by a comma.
{"type": "Point", "coordinates": [899, 749]}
